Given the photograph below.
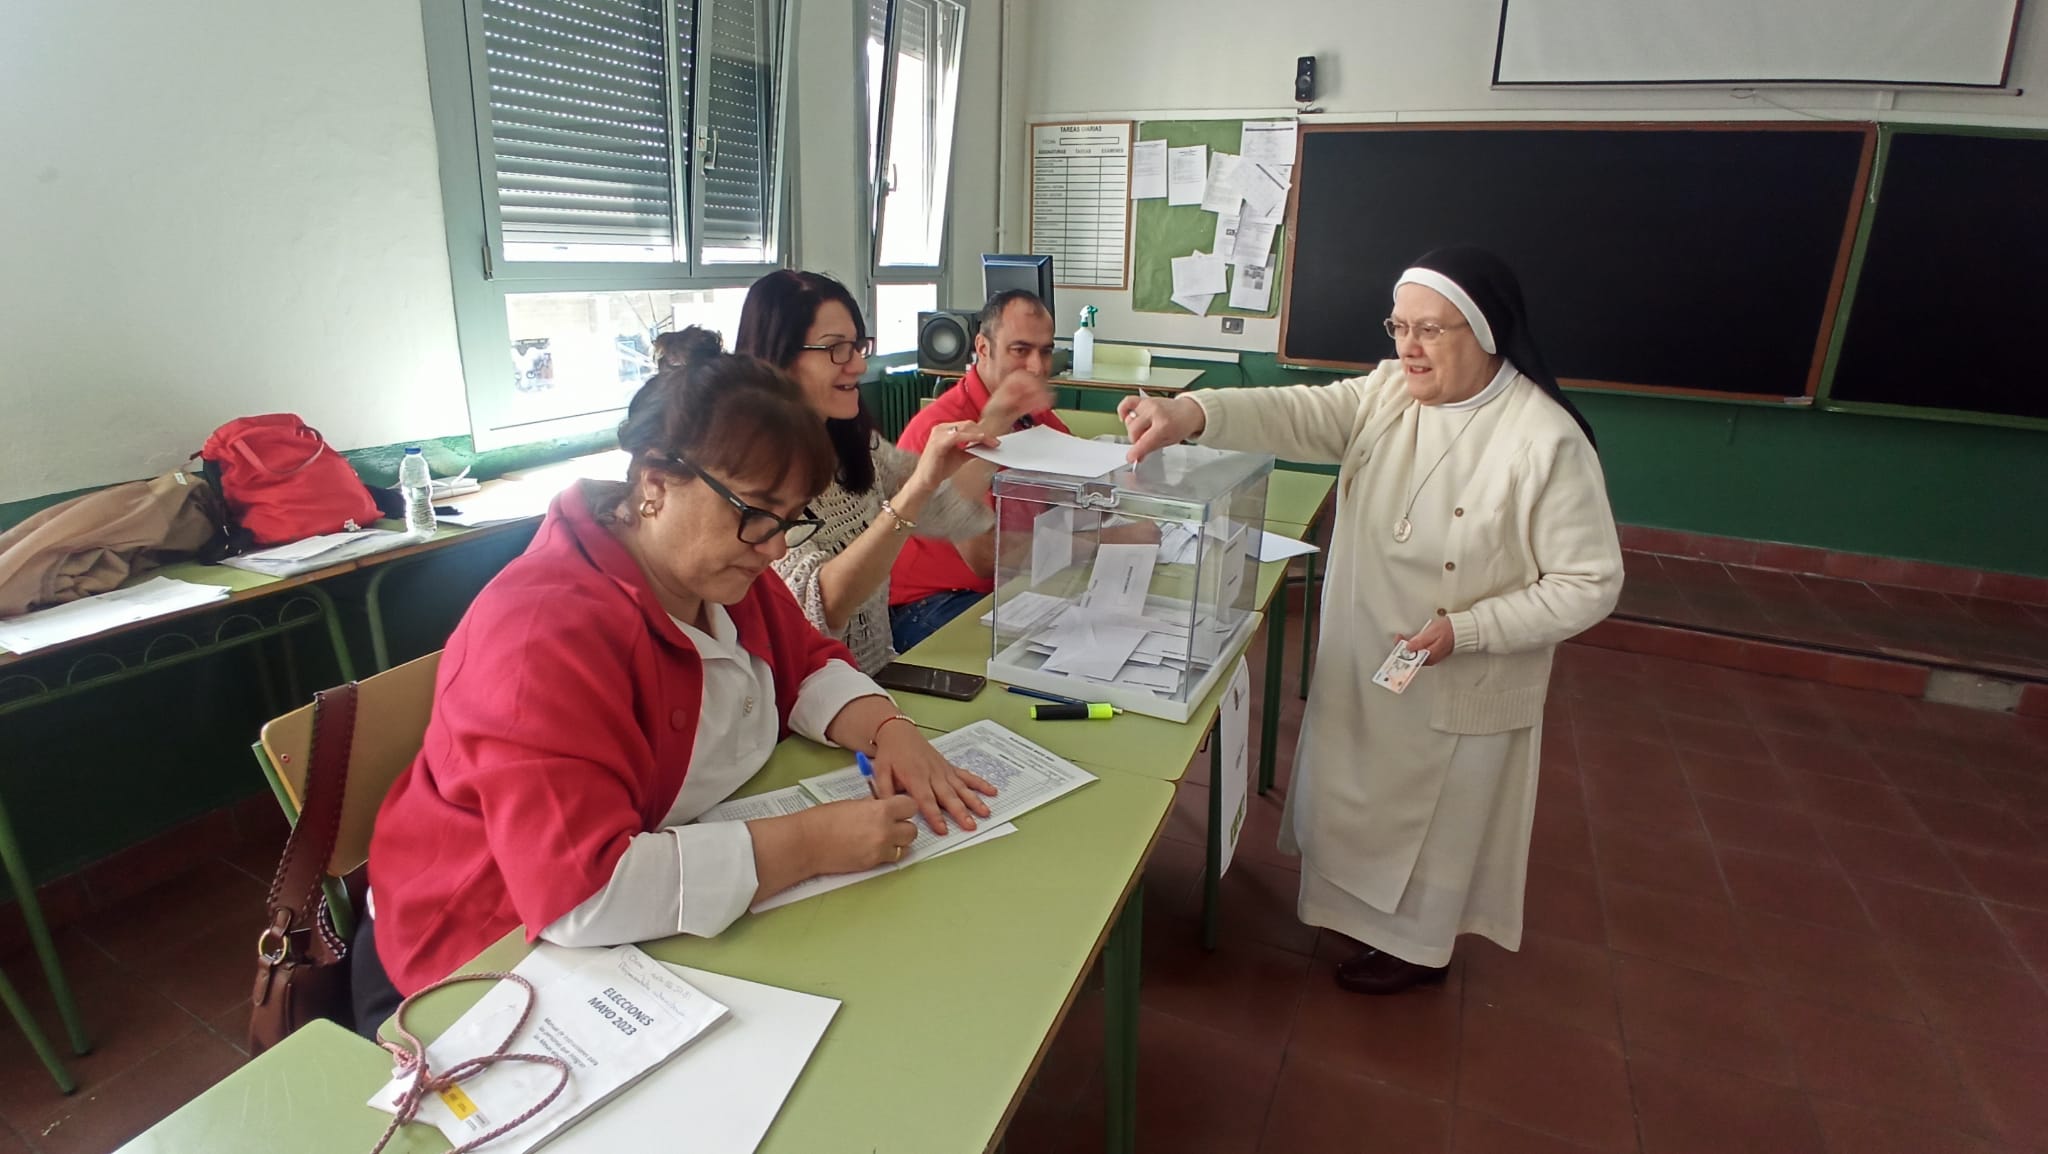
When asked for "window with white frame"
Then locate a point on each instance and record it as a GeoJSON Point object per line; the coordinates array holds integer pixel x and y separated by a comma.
{"type": "Point", "coordinates": [610, 170]}
{"type": "Point", "coordinates": [913, 87]}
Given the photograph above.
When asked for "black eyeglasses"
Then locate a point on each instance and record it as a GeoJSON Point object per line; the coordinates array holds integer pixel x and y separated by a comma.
{"type": "Point", "coordinates": [758, 526]}
{"type": "Point", "coordinates": [844, 351]}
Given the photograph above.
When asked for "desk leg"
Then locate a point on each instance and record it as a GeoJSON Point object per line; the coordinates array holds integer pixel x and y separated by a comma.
{"type": "Point", "coordinates": [1120, 970]}
{"type": "Point", "coordinates": [39, 934]}
{"type": "Point", "coordinates": [373, 612]}
{"type": "Point", "coordinates": [1308, 616]}
{"type": "Point", "coordinates": [1212, 856]}
{"type": "Point", "coordinates": [1276, 657]}
{"type": "Point", "coordinates": [34, 1034]}
{"type": "Point", "coordinates": [334, 635]}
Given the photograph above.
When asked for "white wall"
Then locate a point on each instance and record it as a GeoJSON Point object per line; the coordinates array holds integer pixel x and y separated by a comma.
{"type": "Point", "coordinates": [1376, 59]}
{"type": "Point", "coordinates": [211, 208]}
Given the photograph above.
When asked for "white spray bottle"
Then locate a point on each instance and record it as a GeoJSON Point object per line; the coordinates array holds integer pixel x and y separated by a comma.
{"type": "Point", "coordinates": [1084, 343]}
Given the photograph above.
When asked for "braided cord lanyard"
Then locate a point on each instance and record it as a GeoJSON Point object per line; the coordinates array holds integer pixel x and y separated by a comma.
{"type": "Point", "coordinates": [412, 1058]}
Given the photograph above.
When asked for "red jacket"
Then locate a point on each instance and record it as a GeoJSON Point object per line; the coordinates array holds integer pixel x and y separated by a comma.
{"type": "Point", "coordinates": [564, 717]}
{"type": "Point", "coordinates": [926, 565]}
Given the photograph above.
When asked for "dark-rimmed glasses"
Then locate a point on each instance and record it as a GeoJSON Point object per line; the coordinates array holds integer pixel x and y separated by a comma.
{"type": "Point", "coordinates": [843, 351]}
{"type": "Point", "coordinates": [758, 526]}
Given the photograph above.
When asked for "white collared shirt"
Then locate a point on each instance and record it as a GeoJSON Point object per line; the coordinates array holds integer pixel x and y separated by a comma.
{"type": "Point", "coordinates": [698, 879]}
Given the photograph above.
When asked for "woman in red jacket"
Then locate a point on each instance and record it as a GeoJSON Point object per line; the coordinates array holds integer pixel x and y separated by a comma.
{"type": "Point", "coordinates": [626, 673]}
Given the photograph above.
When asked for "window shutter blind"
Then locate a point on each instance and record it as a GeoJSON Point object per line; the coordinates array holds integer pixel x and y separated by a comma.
{"type": "Point", "coordinates": [580, 121]}
{"type": "Point", "coordinates": [736, 145]}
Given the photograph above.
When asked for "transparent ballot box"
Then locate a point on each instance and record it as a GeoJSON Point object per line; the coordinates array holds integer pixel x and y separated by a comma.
{"type": "Point", "coordinates": [1129, 588]}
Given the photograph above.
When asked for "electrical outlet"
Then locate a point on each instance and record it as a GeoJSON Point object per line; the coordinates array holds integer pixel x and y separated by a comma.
{"type": "Point", "coordinates": [1233, 325]}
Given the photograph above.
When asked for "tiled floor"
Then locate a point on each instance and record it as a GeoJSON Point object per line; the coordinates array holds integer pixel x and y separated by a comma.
{"type": "Point", "coordinates": [1977, 633]}
{"type": "Point", "coordinates": [1763, 916]}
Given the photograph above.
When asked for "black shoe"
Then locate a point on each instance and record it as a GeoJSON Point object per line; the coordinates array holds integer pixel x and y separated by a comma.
{"type": "Point", "coordinates": [1375, 972]}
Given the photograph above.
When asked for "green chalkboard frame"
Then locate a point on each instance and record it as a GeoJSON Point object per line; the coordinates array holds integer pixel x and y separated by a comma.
{"type": "Point", "coordinates": [1874, 204]}
{"type": "Point", "coordinates": [1161, 231]}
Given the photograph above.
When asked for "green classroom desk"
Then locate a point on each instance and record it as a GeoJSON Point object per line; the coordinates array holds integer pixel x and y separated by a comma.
{"type": "Point", "coordinates": [954, 977]}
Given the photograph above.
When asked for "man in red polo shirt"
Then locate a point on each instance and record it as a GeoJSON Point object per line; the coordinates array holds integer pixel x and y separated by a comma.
{"type": "Point", "coordinates": [1005, 389]}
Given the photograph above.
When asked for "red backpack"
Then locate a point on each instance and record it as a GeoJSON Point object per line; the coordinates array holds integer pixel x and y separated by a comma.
{"type": "Point", "coordinates": [283, 483]}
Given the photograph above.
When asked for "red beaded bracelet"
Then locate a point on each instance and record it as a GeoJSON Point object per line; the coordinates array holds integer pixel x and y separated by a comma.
{"type": "Point", "coordinates": [876, 740]}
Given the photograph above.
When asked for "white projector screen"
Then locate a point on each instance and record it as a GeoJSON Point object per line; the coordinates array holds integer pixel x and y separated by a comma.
{"type": "Point", "coordinates": [1887, 43]}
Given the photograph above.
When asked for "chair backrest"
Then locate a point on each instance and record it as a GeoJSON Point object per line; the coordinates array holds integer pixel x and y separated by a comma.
{"type": "Point", "coordinates": [391, 722]}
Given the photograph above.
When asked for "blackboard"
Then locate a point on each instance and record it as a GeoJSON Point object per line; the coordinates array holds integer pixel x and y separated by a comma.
{"type": "Point", "coordinates": [1951, 293]}
{"type": "Point", "coordinates": [1677, 257]}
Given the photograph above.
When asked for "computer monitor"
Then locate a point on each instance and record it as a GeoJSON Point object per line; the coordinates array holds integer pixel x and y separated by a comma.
{"type": "Point", "coordinates": [1032, 273]}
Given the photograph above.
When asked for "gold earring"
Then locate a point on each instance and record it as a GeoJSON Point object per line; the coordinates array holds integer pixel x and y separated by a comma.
{"type": "Point", "coordinates": [648, 508]}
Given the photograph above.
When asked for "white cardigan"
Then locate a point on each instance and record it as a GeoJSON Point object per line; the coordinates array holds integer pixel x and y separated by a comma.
{"type": "Point", "coordinates": [1537, 562]}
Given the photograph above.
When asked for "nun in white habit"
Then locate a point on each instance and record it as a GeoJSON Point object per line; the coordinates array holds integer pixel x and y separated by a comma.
{"type": "Point", "coordinates": [1472, 522]}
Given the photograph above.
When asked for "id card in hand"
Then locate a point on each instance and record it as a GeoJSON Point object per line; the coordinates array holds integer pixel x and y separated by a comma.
{"type": "Point", "coordinates": [1399, 668]}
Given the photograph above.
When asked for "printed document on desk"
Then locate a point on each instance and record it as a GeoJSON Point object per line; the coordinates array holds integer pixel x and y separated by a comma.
{"type": "Point", "coordinates": [156, 597]}
{"type": "Point", "coordinates": [319, 552]}
{"type": "Point", "coordinates": [613, 1015]}
{"type": "Point", "coordinates": [725, 1090]}
{"type": "Point", "coordinates": [1043, 449]}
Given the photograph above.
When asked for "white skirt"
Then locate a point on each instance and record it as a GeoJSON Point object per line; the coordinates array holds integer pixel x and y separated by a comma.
{"type": "Point", "coordinates": [1473, 866]}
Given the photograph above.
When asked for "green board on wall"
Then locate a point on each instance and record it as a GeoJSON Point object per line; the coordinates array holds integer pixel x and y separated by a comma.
{"type": "Point", "coordinates": [1162, 231]}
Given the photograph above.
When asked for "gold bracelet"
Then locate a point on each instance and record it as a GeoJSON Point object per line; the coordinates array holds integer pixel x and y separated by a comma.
{"type": "Point", "coordinates": [876, 740]}
{"type": "Point", "coordinates": [903, 524]}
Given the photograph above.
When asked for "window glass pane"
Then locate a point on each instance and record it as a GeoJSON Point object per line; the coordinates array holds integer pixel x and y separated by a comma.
{"type": "Point", "coordinates": [736, 44]}
{"type": "Point", "coordinates": [896, 309]}
{"type": "Point", "coordinates": [580, 129]}
{"type": "Point", "coordinates": [877, 50]}
{"type": "Point", "coordinates": [925, 89]}
{"type": "Point", "coordinates": [587, 352]}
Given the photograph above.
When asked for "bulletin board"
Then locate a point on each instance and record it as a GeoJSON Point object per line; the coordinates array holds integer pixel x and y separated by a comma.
{"type": "Point", "coordinates": [1164, 231]}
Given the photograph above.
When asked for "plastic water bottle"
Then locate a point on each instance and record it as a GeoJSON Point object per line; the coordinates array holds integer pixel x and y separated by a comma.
{"type": "Point", "coordinates": [418, 489]}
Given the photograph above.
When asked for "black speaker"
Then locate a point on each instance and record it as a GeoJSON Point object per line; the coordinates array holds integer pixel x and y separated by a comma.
{"type": "Point", "coordinates": [1304, 80]}
{"type": "Point", "coordinates": [945, 339]}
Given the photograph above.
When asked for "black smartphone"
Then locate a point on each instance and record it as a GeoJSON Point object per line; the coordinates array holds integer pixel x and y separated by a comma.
{"type": "Point", "coordinates": [931, 682]}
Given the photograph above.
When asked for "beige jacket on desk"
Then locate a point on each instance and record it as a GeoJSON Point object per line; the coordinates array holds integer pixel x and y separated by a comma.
{"type": "Point", "coordinates": [1534, 560]}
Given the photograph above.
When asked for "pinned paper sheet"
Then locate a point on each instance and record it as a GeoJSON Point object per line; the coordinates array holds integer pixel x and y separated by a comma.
{"type": "Point", "coordinates": [1187, 173]}
{"type": "Point", "coordinates": [1253, 245]}
{"type": "Point", "coordinates": [1265, 191]}
{"type": "Point", "coordinates": [1251, 288]}
{"type": "Point", "coordinates": [1196, 303]}
{"type": "Point", "coordinates": [1226, 230]}
{"type": "Point", "coordinates": [1198, 272]}
{"type": "Point", "coordinates": [1148, 169]}
{"type": "Point", "coordinates": [1221, 193]}
{"type": "Point", "coordinates": [1267, 142]}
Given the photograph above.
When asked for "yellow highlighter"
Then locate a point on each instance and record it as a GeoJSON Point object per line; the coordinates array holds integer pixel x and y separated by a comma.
{"type": "Point", "coordinates": [1077, 711]}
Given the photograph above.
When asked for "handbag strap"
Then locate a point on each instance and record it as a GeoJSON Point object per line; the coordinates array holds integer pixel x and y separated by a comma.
{"type": "Point", "coordinates": [241, 445]}
{"type": "Point", "coordinates": [296, 902]}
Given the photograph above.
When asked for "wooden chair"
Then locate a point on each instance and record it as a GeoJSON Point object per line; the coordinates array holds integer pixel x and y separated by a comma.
{"type": "Point", "coordinates": [391, 721]}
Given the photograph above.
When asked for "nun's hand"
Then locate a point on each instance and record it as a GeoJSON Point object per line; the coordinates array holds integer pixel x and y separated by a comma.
{"type": "Point", "coordinates": [1437, 637]}
{"type": "Point", "coordinates": [1156, 422]}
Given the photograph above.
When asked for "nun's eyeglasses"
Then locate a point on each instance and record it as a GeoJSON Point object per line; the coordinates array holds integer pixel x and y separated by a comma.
{"type": "Point", "coordinates": [844, 351]}
{"type": "Point", "coordinates": [758, 526]}
{"type": "Point", "coordinates": [1428, 332]}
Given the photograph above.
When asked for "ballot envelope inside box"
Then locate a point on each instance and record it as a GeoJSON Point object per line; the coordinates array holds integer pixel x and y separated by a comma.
{"type": "Point", "coordinates": [1130, 587]}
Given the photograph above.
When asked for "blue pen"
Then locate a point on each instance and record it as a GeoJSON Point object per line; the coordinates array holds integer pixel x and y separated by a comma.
{"type": "Point", "coordinates": [1052, 697]}
{"type": "Point", "coordinates": [867, 771]}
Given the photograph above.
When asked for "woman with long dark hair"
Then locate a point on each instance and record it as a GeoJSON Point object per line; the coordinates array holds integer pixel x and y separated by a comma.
{"type": "Point", "coordinates": [808, 324]}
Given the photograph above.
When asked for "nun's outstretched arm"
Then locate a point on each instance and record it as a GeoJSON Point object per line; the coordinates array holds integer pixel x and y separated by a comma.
{"type": "Point", "coordinates": [1309, 423]}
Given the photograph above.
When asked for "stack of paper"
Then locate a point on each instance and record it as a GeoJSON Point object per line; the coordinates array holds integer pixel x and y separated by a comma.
{"type": "Point", "coordinates": [319, 552]}
{"type": "Point", "coordinates": [613, 1015]}
{"type": "Point", "coordinates": [86, 616]}
{"type": "Point", "coordinates": [1118, 634]}
{"type": "Point", "coordinates": [1025, 775]}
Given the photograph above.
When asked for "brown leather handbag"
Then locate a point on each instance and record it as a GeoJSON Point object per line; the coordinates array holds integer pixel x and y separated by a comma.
{"type": "Point", "coordinates": [301, 962]}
